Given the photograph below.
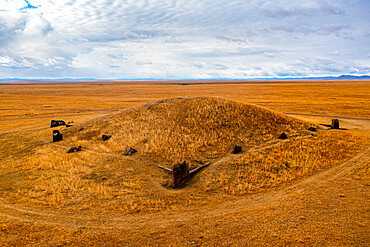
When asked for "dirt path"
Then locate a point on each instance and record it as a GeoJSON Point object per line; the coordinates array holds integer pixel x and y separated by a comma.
{"type": "Point", "coordinates": [318, 210]}
{"type": "Point", "coordinates": [327, 208]}
{"type": "Point", "coordinates": [52, 117]}
{"type": "Point", "coordinates": [326, 116]}
{"type": "Point", "coordinates": [166, 218]}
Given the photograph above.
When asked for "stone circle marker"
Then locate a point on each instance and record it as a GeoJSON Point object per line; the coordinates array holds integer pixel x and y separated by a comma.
{"type": "Point", "coordinates": [57, 136]}
{"type": "Point", "coordinates": [180, 175]}
{"type": "Point", "coordinates": [335, 124]}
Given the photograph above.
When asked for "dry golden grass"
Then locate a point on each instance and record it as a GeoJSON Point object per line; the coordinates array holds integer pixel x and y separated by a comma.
{"type": "Point", "coordinates": [272, 166]}
{"type": "Point", "coordinates": [56, 188]}
{"type": "Point", "coordinates": [343, 98]}
{"type": "Point", "coordinates": [194, 129]}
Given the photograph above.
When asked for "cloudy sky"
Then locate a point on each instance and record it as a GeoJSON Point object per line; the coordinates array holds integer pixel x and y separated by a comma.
{"type": "Point", "coordinates": [177, 39]}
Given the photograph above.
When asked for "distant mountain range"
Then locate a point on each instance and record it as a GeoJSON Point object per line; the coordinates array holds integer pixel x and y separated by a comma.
{"type": "Point", "coordinates": [349, 77]}
{"type": "Point", "coordinates": [341, 77]}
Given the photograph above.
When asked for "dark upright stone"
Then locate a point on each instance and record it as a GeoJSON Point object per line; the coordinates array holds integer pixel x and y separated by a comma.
{"type": "Point", "coordinates": [180, 175]}
{"type": "Point", "coordinates": [237, 149]}
{"type": "Point", "coordinates": [105, 137]}
{"type": "Point", "coordinates": [335, 124]}
{"type": "Point", "coordinates": [283, 136]}
{"type": "Point", "coordinates": [57, 136]}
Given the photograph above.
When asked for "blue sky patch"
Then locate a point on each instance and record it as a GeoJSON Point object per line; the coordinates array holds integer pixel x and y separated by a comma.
{"type": "Point", "coordinates": [29, 6]}
{"type": "Point", "coordinates": [176, 39]}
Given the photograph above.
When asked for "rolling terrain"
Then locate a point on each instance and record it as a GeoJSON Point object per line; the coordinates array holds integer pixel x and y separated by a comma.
{"type": "Point", "coordinates": [311, 188]}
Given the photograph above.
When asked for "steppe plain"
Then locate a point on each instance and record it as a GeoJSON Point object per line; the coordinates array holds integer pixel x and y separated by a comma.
{"type": "Point", "coordinates": [311, 189]}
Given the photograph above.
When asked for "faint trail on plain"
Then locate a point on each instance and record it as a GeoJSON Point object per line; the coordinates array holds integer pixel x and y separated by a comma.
{"type": "Point", "coordinates": [328, 116]}
{"type": "Point", "coordinates": [35, 118]}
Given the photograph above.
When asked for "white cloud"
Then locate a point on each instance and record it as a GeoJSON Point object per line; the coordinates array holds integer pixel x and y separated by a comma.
{"type": "Point", "coordinates": [6, 61]}
{"type": "Point", "coordinates": [282, 9]}
{"type": "Point", "coordinates": [182, 39]}
{"type": "Point", "coordinates": [335, 53]}
{"type": "Point", "coordinates": [269, 54]}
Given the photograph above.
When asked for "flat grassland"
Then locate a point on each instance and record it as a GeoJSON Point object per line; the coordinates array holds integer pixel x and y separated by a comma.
{"type": "Point", "coordinates": [311, 189]}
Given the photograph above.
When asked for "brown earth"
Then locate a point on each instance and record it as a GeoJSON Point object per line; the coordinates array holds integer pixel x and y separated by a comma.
{"type": "Point", "coordinates": [328, 208]}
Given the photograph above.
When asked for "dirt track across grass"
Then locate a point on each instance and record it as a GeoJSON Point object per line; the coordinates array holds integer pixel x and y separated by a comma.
{"type": "Point", "coordinates": [327, 116]}
{"type": "Point", "coordinates": [304, 212]}
{"type": "Point", "coordinates": [329, 208]}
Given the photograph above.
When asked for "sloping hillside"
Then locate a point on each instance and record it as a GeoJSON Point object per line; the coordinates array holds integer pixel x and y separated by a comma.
{"type": "Point", "coordinates": [194, 129]}
{"type": "Point", "coordinates": [103, 180]}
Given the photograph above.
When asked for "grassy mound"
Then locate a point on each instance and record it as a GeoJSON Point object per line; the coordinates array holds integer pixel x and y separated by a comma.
{"type": "Point", "coordinates": [102, 180]}
{"type": "Point", "coordinates": [196, 129]}
{"type": "Point", "coordinates": [277, 164]}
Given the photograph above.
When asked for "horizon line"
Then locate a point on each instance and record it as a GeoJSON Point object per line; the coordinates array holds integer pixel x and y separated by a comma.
{"type": "Point", "coordinates": [66, 79]}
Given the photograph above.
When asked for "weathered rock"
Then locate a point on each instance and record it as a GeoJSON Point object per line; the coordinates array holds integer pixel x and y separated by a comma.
{"type": "Point", "coordinates": [283, 136]}
{"type": "Point", "coordinates": [312, 128]}
{"type": "Point", "coordinates": [105, 137]}
{"type": "Point", "coordinates": [335, 124]}
{"type": "Point", "coordinates": [56, 123]}
{"type": "Point", "coordinates": [130, 151]}
{"type": "Point", "coordinates": [180, 175]}
{"type": "Point", "coordinates": [237, 149]}
{"type": "Point", "coordinates": [74, 149]}
{"type": "Point", "coordinates": [57, 136]}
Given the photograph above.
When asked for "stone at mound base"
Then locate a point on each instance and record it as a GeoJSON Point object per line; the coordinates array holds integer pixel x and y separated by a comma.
{"type": "Point", "coordinates": [283, 136]}
{"type": "Point", "coordinates": [56, 123]}
{"type": "Point", "coordinates": [180, 175]}
{"type": "Point", "coordinates": [237, 149]}
{"type": "Point", "coordinates": [130, 151]}
{"type": "Point", "coordinates": [74, 149]}
{"type": "Point", "coordinates": [57, 136]}
{"type": "Point", "coordinates": [335, 124]}
{"type": "Point", "coordinates": [106, 137]}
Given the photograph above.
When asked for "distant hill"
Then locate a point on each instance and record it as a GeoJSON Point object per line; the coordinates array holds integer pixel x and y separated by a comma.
{"type": "Point", "coordinates": [351, 77]}
{"type": "Point", "coordinates": [341, 77]}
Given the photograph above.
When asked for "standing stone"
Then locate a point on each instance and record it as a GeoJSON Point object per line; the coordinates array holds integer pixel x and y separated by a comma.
{"type": "Point", "coordinates": [180, 175]}
{"type": "Point", "coordinates": [283, 136]}
{"type": "Point", "coordinates": [57, 136]}
{"type": "Point", "coordinates": [237, 149]}
{"type": "Point", "coordinates": [335, 124]}
{"type": "Point", "coordinates": [56, 123]}
{"type": "Point", "coordinates": [105, 137]}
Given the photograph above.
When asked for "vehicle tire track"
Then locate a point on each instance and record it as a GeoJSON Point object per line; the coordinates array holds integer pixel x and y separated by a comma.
{"type": "Point", "coordinates": [268, 197]}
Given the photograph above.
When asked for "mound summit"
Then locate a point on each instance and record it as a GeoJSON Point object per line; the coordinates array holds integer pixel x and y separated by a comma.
{"type": "Point", "coordinates": [102, 180]}
{"type": "Point", "coordinates": [195, 129]}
